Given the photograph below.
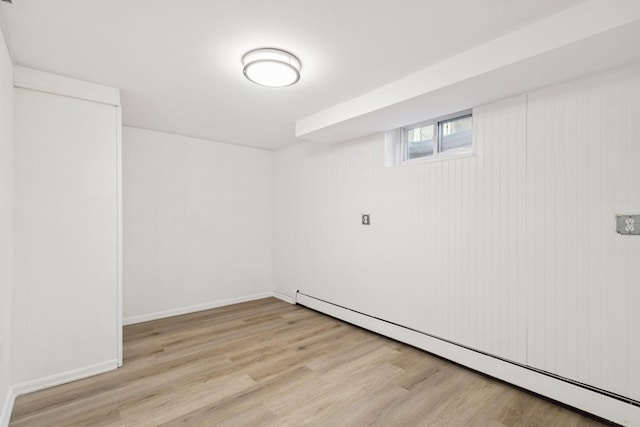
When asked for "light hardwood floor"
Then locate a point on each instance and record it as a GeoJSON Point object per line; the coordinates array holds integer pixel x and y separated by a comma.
{"type": "Point", "coordinates": [268, 363]}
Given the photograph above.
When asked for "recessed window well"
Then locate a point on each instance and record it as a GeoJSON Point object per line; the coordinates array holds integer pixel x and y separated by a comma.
{"type": "Point", "coordinates": [440, 138]}
{"type": "Point", "coordinates": [271, 67]}
{"type": "Point", "coordinates": [446, 135]}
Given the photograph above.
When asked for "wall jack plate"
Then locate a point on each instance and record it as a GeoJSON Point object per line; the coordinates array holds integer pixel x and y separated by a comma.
{"type": "Point", "coordinates": [628, 225]}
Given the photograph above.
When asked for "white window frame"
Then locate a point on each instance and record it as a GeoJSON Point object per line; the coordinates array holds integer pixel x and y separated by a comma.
{"type": "Point", "coordinates": [437, 143]}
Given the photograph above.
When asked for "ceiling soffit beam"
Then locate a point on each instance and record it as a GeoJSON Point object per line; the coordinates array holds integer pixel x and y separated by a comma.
{"type": "Point", "coordinates": [565, 28]}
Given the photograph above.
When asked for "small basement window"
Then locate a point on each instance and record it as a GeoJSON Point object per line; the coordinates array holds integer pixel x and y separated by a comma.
{"type": "Point", "coordinates": [439, 138]}
{"type": "Point", "coordinates": [447, 134]}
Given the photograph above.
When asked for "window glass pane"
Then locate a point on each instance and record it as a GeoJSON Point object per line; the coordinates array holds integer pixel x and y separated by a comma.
{"type": "Point", "coordinates": [455, 133]}
{"type": "Point", "coordinates": [420, 142]}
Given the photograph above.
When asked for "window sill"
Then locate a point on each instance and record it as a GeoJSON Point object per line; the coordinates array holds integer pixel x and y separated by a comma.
{"type": "Point", "coordinates": [439, 157]}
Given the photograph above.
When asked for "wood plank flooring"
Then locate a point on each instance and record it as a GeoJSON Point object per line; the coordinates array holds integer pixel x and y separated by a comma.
{"type": "Point", "coordinates": [268, 363]}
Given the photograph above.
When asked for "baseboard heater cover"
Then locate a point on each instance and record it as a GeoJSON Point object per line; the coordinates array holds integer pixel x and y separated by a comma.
{"type": "Point", "coordinates": [604, 404]}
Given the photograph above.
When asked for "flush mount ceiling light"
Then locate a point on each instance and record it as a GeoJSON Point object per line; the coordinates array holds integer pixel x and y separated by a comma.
{"type": "Point", "coordinates": [271, 67]}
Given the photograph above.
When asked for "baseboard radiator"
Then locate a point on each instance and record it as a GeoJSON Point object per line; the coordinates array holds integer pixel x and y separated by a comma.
{"type": "Point", "coordinates": [602, 403]}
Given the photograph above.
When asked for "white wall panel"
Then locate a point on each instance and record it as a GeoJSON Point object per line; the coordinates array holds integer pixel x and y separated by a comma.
{"type": "Point", "coordinates": [6, 225]}
{"type": "Point", "coordinates": [65, 251]}
{"type": "Point", "coordinates": [512, 251]}
{"type": "Point", "coordinates": [581, 142]}
{"type": "Point", "coordinates": [631, 247]}
{"type": "Point", "coordinates": [198, 218]}
{"type": "Point", "coordinates": [440, 237]}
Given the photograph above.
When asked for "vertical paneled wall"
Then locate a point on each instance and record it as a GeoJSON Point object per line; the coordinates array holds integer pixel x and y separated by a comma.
{"type": "Point", "coordinates": [583, 281]}
{"type": "Point", "coordinates": [512, 251]}
{"type": "Point", "coordinates": [6, 223]}
{"type": "Point", "coordinates": [631, 246]}
{"type": "Point", "coordinates": [442, 253]}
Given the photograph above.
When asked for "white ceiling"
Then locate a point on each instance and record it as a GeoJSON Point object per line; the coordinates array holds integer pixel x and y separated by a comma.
{"type": "Point", "coordinates": [178, 62]}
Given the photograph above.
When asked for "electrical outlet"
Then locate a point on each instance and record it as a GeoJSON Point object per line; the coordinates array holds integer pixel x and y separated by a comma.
{"type": "Point", "coordinates": [365, 219]}
{"type": "Point", "coordinates": [628, 224]}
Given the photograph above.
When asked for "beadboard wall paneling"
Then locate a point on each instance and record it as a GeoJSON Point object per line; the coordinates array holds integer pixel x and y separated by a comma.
{"type": "Point", "coordinates": [582, 140]}
{"type": "Point", "coordinates": [443, 245]}
{"type": "Point", "coordinates": [6, 227]}
{"type": "Point", "coordinates": [631, 245]}
{"type": "Point", "coordinates": [512, 251]}
{"type": "Point", "coordinates": [198, 223]}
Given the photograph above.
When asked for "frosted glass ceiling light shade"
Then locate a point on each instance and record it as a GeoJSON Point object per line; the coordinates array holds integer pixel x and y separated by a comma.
{"type": "Point", "coordinates": [271, 67]}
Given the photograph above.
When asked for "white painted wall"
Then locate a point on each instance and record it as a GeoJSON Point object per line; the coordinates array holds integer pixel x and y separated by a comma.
{"type": "Point", "coordinates": [583, 278]}
{"type": "Point", "coordinates": [198, 224]}
{"type": "Point", "coordinates": [6, 225]}
{"type": "Point", "coordinates": [65, 251]}
{"type": "Point", "coordinates": [433, 256]}
{"type": "Point", "coordinates": [512, 251]}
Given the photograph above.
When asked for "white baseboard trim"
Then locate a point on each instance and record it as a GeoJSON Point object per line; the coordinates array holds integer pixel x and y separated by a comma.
{"type": "Point", "coordinates": [7, 408]}
{"type": "Point", "coordinates": [65, 377]}
{"type": "Point", "coordinates": [283, 297]}
{"type": "Point", "coordinates": [589, 401]}
{"type": "Point", "coordinates": [132, 320]}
